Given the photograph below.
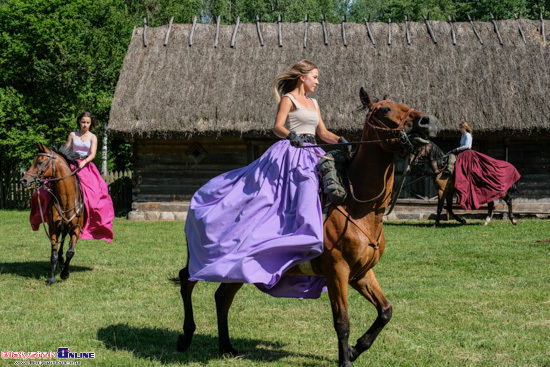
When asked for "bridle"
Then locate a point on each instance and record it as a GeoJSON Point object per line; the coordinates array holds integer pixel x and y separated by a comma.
{"type": "Point", "coordinates": [377, 125]}
{"type": "Point", "coordinates": [44, 184]}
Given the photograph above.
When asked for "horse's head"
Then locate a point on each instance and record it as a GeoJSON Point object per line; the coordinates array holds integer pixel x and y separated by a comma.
{"type": "Point", "coordinates": [399, 127]}
{"type": "Point", "coordinates": [42, 167]}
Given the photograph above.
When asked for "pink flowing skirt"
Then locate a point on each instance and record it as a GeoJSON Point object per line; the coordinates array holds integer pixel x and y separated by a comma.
{"type": "Point", "coordinates": [99, 214]}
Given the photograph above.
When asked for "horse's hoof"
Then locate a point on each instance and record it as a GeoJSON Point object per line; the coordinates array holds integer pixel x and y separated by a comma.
{"type": "Point", "coordinates": [183, 343]}
{"type": "Point", "coordinates": [50, 281]}
{"type": "Point", "coordinates": [64, 275]}
{"type": "Point", "coordinates": [353, 353]}
{"type": "Point", "coordinates": [229, 351]}
{"type": "Point", "coordinates": [462, 221]}
{"type": "Point", "coordinates": [514, 222]}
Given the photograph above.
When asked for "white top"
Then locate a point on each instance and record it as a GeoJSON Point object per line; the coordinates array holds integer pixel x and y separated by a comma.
{"type": "Point", "coordinates": [465, 142]}
{"type": "Point", "coordinates": [82, 147]}
{"type": "Point", "coordinates": [302, 120]}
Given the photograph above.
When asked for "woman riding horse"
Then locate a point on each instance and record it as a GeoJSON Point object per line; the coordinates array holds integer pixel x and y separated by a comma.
{"type": "Point", "coordinates": [444, 167]}
{"type": "Point", "coordinates": [352, 232]}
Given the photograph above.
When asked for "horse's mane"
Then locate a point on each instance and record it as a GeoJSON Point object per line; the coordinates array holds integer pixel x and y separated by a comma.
{"type": "Point", "coordinates": [66, 153]}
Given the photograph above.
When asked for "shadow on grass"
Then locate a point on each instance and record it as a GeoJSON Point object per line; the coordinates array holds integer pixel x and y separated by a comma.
{"type": "Point", "coordinates": [35, 269]}
{"type": "Point", "coordinates": [160, 345]}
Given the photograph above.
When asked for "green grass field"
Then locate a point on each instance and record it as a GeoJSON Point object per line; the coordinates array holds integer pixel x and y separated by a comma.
{"type": "Point", "coordinates": [462, 296]}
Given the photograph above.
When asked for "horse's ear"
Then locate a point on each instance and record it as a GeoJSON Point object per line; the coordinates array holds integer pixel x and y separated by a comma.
{"type": "Point", "coordinates": [365, 98]}
{"type": "Point", "coordinates": [42, 148]}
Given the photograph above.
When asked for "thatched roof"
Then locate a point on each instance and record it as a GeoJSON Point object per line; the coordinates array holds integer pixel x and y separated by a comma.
{"type": "Point", "coordinates": [180, 90]}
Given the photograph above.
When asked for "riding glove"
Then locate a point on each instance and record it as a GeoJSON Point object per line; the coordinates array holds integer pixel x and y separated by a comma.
{"type": "Point", "coordinates": [345, 148]}
{"type": "Point", "coordinates": [295, 139]}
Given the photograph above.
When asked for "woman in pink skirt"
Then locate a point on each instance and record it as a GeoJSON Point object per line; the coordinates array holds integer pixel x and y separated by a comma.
{"type": "Point", "coordinates": [99, 214]}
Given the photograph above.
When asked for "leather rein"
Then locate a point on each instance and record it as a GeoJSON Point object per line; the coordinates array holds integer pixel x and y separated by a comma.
{"type": "Point", "coordinates": [43, 183]}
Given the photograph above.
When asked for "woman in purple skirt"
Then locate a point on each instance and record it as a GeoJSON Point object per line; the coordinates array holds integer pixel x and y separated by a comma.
{"type": "Point", "coordinates": [252, 224]}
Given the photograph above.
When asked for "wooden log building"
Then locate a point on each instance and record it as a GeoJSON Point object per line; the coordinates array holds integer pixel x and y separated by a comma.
{"type": "Point", "coordinates": [197, 100]}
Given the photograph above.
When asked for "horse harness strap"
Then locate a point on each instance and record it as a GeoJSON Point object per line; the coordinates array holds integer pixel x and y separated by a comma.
{"type": "Point", "coordinates": [375, 243]}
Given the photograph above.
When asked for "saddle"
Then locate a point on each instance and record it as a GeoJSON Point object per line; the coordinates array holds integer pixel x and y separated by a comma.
{"type": "Point", "coordinates": [332, 178]}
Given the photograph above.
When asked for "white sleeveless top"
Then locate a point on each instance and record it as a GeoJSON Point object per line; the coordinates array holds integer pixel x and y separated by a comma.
{"type": "Point", "coordinates": [302, 120]}
{"type": "Point", "coordinates": [81, 147]}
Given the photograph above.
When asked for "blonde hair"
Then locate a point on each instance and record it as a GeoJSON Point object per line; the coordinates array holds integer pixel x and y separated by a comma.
{"type": "Point", "coordinates": [286, 82]}
{"type": "Point", "coordinates": [467, 127]}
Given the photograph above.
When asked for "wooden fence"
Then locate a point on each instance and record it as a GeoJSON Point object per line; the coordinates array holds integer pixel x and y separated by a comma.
{"type": "Point", "coordinates": [13, 195]}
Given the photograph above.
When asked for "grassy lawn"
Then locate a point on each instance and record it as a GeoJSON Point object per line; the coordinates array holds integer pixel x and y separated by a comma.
{"type": "Point", "coordinates": [462, 296]}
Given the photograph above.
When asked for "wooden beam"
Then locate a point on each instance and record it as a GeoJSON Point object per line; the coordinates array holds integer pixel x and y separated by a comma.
{"type": "Point", "coordinates": [192, 31]}
{"type": "Point", "coordinates": [280, 26]}
{"type": "Point", "coordinates": [407, 34]}
{"type": "Point", "coordinates": [258, 29]}
{"type": "Point", "coordinates": [344, 31]}
{"type": "Point", "coordinates": [235, 32]}
{"type": "Point", "coordinates": [496, 29]}
{"type": "Point", "coordinates": [168, 32]}
{"type": "Point", "coordinates": [325, 37]}
{"type": "Point", "coordinates": [144, 32]}
{"type": "Point", "coordinates": [369, 33]}
{"type": "Point", "coordinates": [217, 32]}
{"type": "Point", "coordinates": [453, 36]}
{"type": "Point", "coordinates": [474, 28]}
{"type": "Point", "coordinates": [432, 35]}
{"type": "Point", "coordinates": [389, 31]}
{"type": "Point", "coordinates": [306, 23]}
{"type": "Point", "coordinates": [520, 30]}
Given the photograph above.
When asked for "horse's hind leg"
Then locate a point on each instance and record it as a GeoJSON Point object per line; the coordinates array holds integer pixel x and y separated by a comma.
{"type": "Point", "coordinates": [70, 254]}
{"type": "Point", "coordinates": [368, 287]}
{"type": "Point", "coordinates": [439, 210]}
{"type": "Point", "coordinates": [224, 298]}
{"type": "Point", "coordinates": [449, 201]}
{"type": "Point", "coordinates": [490, 212]}
{"type": "Point", "coordinates": [508, 200]}
{"type": "Point", "coordinates": [186, 290]}
{"type": "Point", "coordinates": [338, 293]}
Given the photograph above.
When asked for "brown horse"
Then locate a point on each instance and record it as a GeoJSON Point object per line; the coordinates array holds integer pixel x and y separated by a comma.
{"type": "Point", "coordinates": [66, 209]}
{"type": "Point", "coordinates": [353, 236]}
{"type": "Point", "coordinates": [444, 180]}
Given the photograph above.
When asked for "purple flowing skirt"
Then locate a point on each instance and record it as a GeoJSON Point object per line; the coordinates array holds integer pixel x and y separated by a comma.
{"type": "Point", "coordinates": [99, 214]}
{"type": "Point", "coordinates": [252, 224]}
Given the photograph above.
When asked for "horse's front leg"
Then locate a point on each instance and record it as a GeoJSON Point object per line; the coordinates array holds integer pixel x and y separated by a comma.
{"type": "Point", "coordinates": [337, 284]}
{"type": "Point", "coordinates": [60, 260]}
{"type": "Point", "coordinates": [70, 254]}
{"type": "Point", "coordinates": [368, 287]}
{"type": "Point", "coordinates": [54, 237]}
{"type": "Point", "coordinates": [224, 298]}
{"type": "Point", "coordinates": [186, 290]}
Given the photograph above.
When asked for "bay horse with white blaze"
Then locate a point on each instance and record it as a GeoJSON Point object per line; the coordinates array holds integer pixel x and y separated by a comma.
{"type": "Point", "coordinates": [444, 181]}
{"type": "Point", "coordinates": [65, 213]}
{"type": "Point", "coordinates": [353, 236]}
